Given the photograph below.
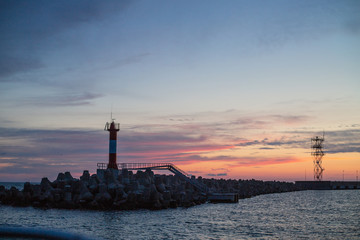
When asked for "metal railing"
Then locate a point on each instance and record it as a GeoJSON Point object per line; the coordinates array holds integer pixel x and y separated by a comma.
{"type": "Point", "coordinates": [136, 166]}
{"type": "Point", "coordinates": [159, 166]}
{"type": "Point", "coordinates": [102, 165]}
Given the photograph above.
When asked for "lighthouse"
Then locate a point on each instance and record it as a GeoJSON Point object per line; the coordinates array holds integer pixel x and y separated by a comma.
{"type": "Point", "coordinates": [112, 128]}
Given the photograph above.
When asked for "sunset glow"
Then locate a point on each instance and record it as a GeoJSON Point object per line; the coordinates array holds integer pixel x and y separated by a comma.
{"type": "Point", "coordinates": [222, 89]}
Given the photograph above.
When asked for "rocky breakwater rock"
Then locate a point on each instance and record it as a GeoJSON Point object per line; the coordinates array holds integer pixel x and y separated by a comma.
{"type": "Point", "coordinates": [124, 191]}
{"type": "Point", "coordinates": [127, 190]}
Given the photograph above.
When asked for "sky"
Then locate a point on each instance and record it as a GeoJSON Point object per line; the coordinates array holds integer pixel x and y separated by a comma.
{"type": "Point", "coordinates": [222, 89]}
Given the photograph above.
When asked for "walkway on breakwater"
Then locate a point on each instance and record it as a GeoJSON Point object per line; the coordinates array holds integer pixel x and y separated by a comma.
{"type": "Point", "coordinates": [328, 185]}
{"type": "Point", "coordinates": [212, 197]}
{"type": "Point", "coordinates": [159, 166]}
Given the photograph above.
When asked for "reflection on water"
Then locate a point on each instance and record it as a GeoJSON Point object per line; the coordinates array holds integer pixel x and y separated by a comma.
{"type": "Point", "coordinates": [307, 214]}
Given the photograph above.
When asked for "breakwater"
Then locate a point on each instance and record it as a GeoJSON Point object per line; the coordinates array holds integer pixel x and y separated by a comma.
{"type": "Point", "coordinates": [328, 185]}
{"type": "Point", "coordinates": [127, 191]}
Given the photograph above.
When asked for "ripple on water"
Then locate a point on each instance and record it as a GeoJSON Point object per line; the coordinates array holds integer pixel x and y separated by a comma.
{"type": "Point", "coordinates": [307, 214]}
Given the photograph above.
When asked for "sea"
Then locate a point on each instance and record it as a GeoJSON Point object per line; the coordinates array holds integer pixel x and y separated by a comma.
{"type": "Point", "coordinates": [315, 214]}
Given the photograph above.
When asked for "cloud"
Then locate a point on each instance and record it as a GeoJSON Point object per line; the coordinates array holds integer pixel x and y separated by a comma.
{"type": "Point", "coordinates": [216, 175]}
{"type": "Point", "coordinates": [283, 141]}
{"type": "Point", "coordinates": [336, 141]}
{"type": "Point", "coordinates": [243, 161]}
{"type": "Point", "coordinates": [190, 142]}
{"type": "Point", "coordinates": [11, 65]}
{"type": "Point", "coordinates": [342, 148]}
{"type": "Point", "coordinates": [249, 143]}
{"type": "Point", "coordinates": [250, 123]}
{"type": "Point", "coordinates": [72, 13]}
{"type": "Point", "coordinates": [266, 121]}
{"type": "Point", "coordinates": [290, 119]}
{"type": "Point", "coordinates": [69, 99]}
{"type": "Point", "coordinates": [261, 161]}
{"type": "Point", "coordinates": [28, 26]}
{"type": "Point", "coordinates": [166, 146]}
{"type": "Point", "coordinates": [49, 151]}
{"type": "Point", "coordinates": [181, 119]}
{"type": "Point", "coordinates": [29, 154]}
{"type": "Point", "coordinates": [222, 172]}
{"type": "Point", "coordinates": [25, 151]}
{"type": "Point", "coordinates": [38, 143]}
{"type": "Point", "coordinates": [342, 141]}
{"type": "Point", "coordinates": [220, 169]}
{"type": "Point", "coordinates": [43, 18]}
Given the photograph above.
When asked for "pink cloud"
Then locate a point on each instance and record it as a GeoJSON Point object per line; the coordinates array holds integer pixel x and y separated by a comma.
{"type": "Point", "coordinates": [261, 161]}
{"type": "Point", "coordinates": [36, 151]}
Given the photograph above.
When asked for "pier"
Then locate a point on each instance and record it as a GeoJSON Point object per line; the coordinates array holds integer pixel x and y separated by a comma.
{"type": "Point", "coordinates": [138, 190]}
{"type": "Point", "coordinates": [328, 185]}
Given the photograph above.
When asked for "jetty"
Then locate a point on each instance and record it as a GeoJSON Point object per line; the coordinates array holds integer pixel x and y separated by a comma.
{"type": "Point", "coordinates": [328, 185]}
{"type": "Point", "coordinates": [129, 190]}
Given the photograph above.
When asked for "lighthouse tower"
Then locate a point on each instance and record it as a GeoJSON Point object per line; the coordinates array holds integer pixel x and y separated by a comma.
{"type": "Point", "coordinates": [113, 128]}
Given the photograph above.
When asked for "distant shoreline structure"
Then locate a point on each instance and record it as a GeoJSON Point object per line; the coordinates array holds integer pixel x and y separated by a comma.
{"type": "Point", "coordinates": [328, 185]}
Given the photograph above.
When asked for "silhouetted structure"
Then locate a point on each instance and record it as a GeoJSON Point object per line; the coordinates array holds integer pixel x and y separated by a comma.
{"type": "Point", "coordinates": [317, 152]}
{"type": "Point", "coordinates": [158, 166]}
{"type": "Point", "coordinates": [113, 128]}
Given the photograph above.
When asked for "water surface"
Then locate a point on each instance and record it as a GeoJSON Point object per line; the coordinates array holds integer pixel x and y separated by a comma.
{"type": "Point", "coordinates": [332, 214]}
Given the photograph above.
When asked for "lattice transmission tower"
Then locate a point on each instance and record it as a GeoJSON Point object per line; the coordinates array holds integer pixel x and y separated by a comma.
{"type": "Point", "coordinates": [317, 153]}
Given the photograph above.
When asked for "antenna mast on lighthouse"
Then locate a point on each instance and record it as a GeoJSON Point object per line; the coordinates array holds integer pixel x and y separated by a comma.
{"type": "Point", "coordinates": [113, 128]}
